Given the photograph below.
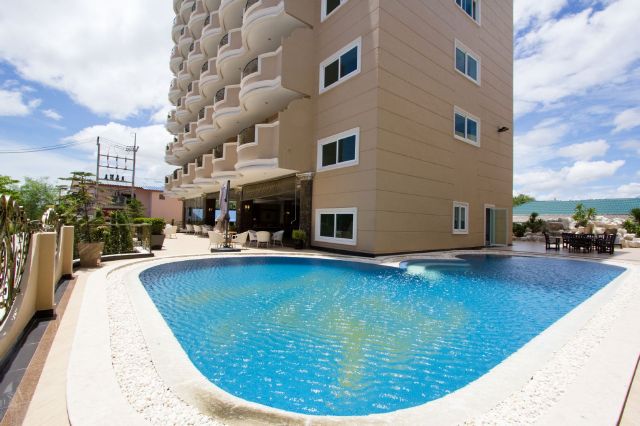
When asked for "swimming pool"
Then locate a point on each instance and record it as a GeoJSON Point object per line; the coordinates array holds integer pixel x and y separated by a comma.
{"type": "Point", "coordinates": [331, 337]}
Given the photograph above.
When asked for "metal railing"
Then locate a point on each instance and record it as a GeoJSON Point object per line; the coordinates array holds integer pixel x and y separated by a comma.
{"type": "Point", "coordinates": [247, 135]}
{"type": "Point", "coordinates": [219, 95]}
{"type": "Point", "coordinates": [250, 68]}
{"type": "Point", "coordinates": [15, 237]}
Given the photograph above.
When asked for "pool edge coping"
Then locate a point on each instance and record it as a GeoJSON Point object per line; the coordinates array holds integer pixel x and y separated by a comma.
{"type": "Point", "coordinates": [463, 404]}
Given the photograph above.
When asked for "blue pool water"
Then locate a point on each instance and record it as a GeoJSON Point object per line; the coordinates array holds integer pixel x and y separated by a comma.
{"type": "Point", "coordinates": [331, 337]}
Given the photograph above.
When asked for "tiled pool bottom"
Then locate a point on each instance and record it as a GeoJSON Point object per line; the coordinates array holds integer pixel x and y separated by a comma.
{"type": "Point", "coordinates": [327, 344]}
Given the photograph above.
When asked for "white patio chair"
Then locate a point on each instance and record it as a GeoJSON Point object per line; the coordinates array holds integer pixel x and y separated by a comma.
{"type": "Point", "coordinates": [197, 230]}
{"type": "Point", "coordinates": [189, 228]}
{"type": "Point", "coordinates": [240, 239]}
{"type": "Point", "coordinates": [215, 239]}
{"type": "Point", "coordinates": [253, 237]}
{"type": "Point", "coordinates": [264, 237]}
{"type": "Point", "coordinates": [205, 230]}
{"type": "Point", "coordinates": [277, 238]}
{"type": "Point", "coordinates": [170, 231]}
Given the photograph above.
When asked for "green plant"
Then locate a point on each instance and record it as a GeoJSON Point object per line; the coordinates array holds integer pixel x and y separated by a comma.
{"type": "Point", "coordinates": [535, 224]}
{"type": "Point", "coordinates": [631, 226]}
{"type": "Point", "coordinates": [299, 234]}
{"type": "Point", "coordinates": [157, 224]}
{"type": "Point", "coordinates": [135, 208]}
{"type": "Point", "coordinates": [635, 213]}
{"type": "Point", "coordinates": [519, 229]}
{"type": "Point", "coordinates": [521, 199]}
{"type": "Point", "coordinates": [119, 239]}
{"type": "Point", "coordinates": [583, 216]}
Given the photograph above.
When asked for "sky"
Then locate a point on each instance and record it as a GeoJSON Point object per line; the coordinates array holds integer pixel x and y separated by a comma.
{"type": "Point", "coordinates": [72, 70]}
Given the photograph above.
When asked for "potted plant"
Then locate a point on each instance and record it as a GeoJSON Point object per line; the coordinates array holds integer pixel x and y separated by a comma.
{"type": "Point", "coordinates": [157, 232]}
{"type": "Point", "coordinates": [299, 238]}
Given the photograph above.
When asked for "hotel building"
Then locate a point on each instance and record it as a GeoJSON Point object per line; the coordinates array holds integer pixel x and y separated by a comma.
{"type": "Point", "coordinates": [376, 126]}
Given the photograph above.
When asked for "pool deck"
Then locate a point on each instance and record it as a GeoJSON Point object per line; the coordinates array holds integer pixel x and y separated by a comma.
{"type": "Point", "coordinates": [49, 404]}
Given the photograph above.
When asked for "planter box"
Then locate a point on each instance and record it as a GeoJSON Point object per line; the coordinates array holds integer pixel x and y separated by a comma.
{"type": "Point", "coordinates": [157, 241]}
{"type": "Point", "coordinates": [90, 254]}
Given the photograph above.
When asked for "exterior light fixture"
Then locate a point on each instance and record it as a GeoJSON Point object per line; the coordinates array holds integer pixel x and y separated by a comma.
{"type": "Point", "coordinates": [503, 129]}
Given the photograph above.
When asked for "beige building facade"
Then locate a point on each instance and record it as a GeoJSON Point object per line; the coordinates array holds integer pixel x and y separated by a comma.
{"type": "Point", "coordinates": [376, 126]}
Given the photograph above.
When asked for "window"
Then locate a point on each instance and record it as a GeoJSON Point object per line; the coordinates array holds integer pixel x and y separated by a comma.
{"type": "Point", "coordinates": [466, 127]}
{"type": "Point", "coordinates": [337, 225]}
{"type": "Point", "coordinates": [471, 8]}
{"type": "Point", "coordinates": [467, 63]}
{"type": "Point", "coordinates": [330, 6]}
{"type": "Point", "coordinates": [460, 218]}
{"type": "Point", "coordinates": [341, 66]}
{"type": "Point", "coordinates": [339, 150]}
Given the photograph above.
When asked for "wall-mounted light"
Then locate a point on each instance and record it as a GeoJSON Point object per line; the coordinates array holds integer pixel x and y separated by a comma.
{"type": "Point", "coordinates": [503, 129]}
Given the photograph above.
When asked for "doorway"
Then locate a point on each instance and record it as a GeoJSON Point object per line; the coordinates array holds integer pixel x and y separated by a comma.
{"type": "Point", "coordinates": [496, 225]}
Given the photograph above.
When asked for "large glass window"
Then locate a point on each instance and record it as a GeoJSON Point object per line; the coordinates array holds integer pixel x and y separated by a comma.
{"type": "Point", "coordinates": [460, 218]}
{"type": "Point", "coordinates": [341, 66]}
{"type": "Point", "coordinates": [466, 127]}
{"type": "Point", "coordinates": [336, 225]}
{"type": "Point", "coordinates": [471, 8]}
{"type": "Point", "coordinates": [339, 150]}
{"type": "Point", "coordinates": [467, 63]}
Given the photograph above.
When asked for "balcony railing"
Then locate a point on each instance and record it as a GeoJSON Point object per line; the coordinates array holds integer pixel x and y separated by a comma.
{"type": "Point", "coordinates": [219, 95]}
{"type": "Point", "coordinates": [205, 67]}
{"type": "Point", "coordinates": [248, 135]}
{"type": "Point", "coordinates": [224, 41]}
{"type": "Point", "coordinates": [250, 3]}
{"type": "Point", "coordinates": [250, 68]}
{"type": "Point", "coordinates": [201, 114]}
{"type": "Point", "coordinates": [218, 152]}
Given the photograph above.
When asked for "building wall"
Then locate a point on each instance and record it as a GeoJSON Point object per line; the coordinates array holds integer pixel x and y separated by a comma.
{"type": "Point", "coordinates": [168, 208]}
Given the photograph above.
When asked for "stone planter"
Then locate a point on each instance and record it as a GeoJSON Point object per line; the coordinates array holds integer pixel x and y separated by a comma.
{"type": "Point", "coordinates": [157, 241]}
{"type": "Point", "coordinates": [90, 254]}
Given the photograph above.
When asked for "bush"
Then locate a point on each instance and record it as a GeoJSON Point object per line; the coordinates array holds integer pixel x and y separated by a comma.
{"type": "Point", "coordinates": [519, 229]}
{"type": "Point", "coordinates": [299, 234]}
{"type": "Point", "coordinates": [631, 227]}
{"type": "Point", "coordinates": [535, 224]}
{"type": "Point", "coordinates": [157, 224]}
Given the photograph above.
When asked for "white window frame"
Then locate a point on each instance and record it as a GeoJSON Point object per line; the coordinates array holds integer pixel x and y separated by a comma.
{"type": "Point", "coordinates": [478, 9]}
{"type": "Point", "coordinates": [323, 9]}
{"type": "Point", "coordinates": [335, 138]}
{"type": "Point", "coordinates": [464, 231]}
{"type": "Point", "coordinates": [350, 210]}
{"type": "Point", "coordinates": [467, 52]}
{"type": "Point", "coordinates": [467, 116]}
{"type": "Point", "coordinates": [356, 43]}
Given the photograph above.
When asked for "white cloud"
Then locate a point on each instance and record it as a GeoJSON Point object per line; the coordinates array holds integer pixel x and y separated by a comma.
{"type": "Point", "coordinates": [632, 145]}
{"type": "Point", "coordinates": [111, 57]}
{"type": "Point", "coordinates": [52, 114]}
{"type": "Point", "coordinates": [526, 13]}
{"type": "Point", "coordinates": [630, 190]}
{"type": "Point", "coordinates": [12, 104]}
{"type": "Point", "coordinates": [34, 103]}
{"type": "Point", "coordinates": [570, 55]}
{"type": "Point", "coordinates": [627, 120]}
{"type": "Point", "coordinates": [537, 145]}
{"type": "Point", "coordinates": [585, 150]}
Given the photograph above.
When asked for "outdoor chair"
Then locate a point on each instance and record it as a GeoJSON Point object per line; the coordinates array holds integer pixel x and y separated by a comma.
{"type": "Point", "coordinates": [240, 239]}
{"type": "Point", "coordinates": [197, 230]}
{"type": "Point", "coordinates": [551, 241]}
{"type": "Point", "coordinates": [606, 244]}
{"type": "Point", "coordinates": [566, 239]}
{"type": "Point", "coordinates": [170, 231]}
{"type": "Point", "coordinates": [189, 228]}
{"type": "Point", "coordinates": [263, 238]}
{"type": "Point", "coordinates": [215, 239]}
{"type": "Point", "coordinates": [204, 229]}
{"type": "Point", "coordinates": [253, 237]}
{"type": "Point", "coordinates": [277, 238]}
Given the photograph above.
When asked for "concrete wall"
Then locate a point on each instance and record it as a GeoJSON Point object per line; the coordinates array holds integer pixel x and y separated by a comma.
{"type": "Point", "coordinates": [170, 208]}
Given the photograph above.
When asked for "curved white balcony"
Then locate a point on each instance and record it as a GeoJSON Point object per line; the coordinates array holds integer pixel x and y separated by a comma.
{"type": "Point", "coordinates": [231, 13]}
{"type": "Point", "coordinates": [185, 9]}
{"type": "Point", "coordinates": [194, 100]}
{"type": "Point", "coordinates": [197, 18]}
{"type": "Point", "coordinates": [190, 135]}
{"type": "Point", "coordinates": [204, 169]}
{"type": "Point", "coordinates": [212, 5]}
{"type": "Point", "coordinates": [206, 128]}
{"type": "Point", "coordinates": [227, 108]}
{"type": "Point", "coordinates": [224, 165]}
{"type": "Point", "coordinates": [188, 175]}
{"type": "Point", "coordinates": [176, 30]}
{"type": "Point", "coordinates": [231, 55]}
{"type": "Point", "coordinates": [211, 35]}
{"type": "Point", "coordinates": [175, 92]}
{"type": "Point", "coordinates": [178, 148]}
{"type": "Point", "coordinates": [266, 22]}
{"type": "Point", "coordinates": [210, 82]}
{"type": "Point", "coordinates": [176, 60]}
{"type": "Point", "coordinates": [182, 113]}
{"type": "Point", "coordinates": [172, 124]}
{"type": "Point", "coordinates": [258, 149]}
{"type": "Point", "coordinates": [184, 76]}
{"type": "Point", "coordinates": [195, 60]}
{"type": "Point", "coordinates": [184, 42]}
{"type": "Point", "coordinates": [176, 6]}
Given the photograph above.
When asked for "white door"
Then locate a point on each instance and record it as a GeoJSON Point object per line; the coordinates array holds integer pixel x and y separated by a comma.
{"type": "Point", "coordinates": [497, 223]}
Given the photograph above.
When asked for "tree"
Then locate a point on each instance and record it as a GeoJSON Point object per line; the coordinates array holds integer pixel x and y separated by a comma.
{"type": "Point", "coordinates": [135, 209]}
{"type": "Point", "coordinates": [36, 195]}
{"type": "Point", "coordinates": [8, 186]}
{"type": "Point", "coordinates": [635, 213]}
{"type": "Point", "coordinates": [521, 199]}
{"type": "Point", "coordinates": [583, 216]}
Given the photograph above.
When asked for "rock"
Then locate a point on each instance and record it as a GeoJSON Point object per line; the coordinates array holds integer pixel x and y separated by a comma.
{"type": "Point", "coordinates": [635, 243]}
{"type": "Point", "coordinates": [555, 226]}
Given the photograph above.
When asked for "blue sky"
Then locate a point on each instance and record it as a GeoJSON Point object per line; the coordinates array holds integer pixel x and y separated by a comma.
{"type": "Point", "coordinates": [103, 70]}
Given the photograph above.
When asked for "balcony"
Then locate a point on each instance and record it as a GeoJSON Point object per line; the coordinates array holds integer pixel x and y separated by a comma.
{"type": "Point", "coordinates": [184, 42]}
{"type": "Point", "coordinates": [206, 128]}
{"type": "Point", "coordinates": [174, 91]}
{"type": "Point", "coordinates": [266, 22]}
{"type": "Point", "coordinates": [172, 124]}
{"type": "Point", "coordinates": [227, 107]}
{"type": "Point", "coordinates": [210, 82]}
{"type": "Point", "coordinates": [211, 35]}
{"type": "Point", "coordinates": [185, 9]}
{"type": "Point", "coordinates": [258, 149]}
{"type": "Point", "coordinates": [231, 55]}
{"type": "Point", "coordinates": [184, 76]}
{"type": "Point", "coordinates": [231, 13]}
{"type": "Point", "coordinates": [176, 30]}
{"type": "Point", "coordinates": [195, 60]}
{"type": "Point", "coordinates": [190, 135]}
{"type": "Point", "coordinates": [178, 146]}
{"type": "Point", "coordinates": [194, 100]}
{"type": "Point", "coordinates": [204, 170]}
{"type": "Point", "coordinates": [176, 60]}
{"type": "Point", "coordinates": [224, 164]}
{"type": "Point", "coordinates": [188, 175]}
{"type": "Point", "coordinates": [197, 18]}
{"type": "Point", "coordinates": [182, 113]}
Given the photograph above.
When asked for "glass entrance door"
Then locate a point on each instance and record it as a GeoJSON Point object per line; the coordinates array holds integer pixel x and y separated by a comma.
{"type": "Point", "coordinates": [497, 226]}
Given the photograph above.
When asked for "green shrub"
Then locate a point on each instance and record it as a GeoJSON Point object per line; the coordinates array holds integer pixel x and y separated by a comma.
{"type": "Point", "coordinates": [299, 234]}
{"type": "Point", "coordinates": [535, 224]}
{"type": "Point", "coordinates": [583, 216]}
{"type": "Point", "coordinates": [157, 224]}
{"type": "Point", "coordinates": [631, 227]}
{"type": "Point", "coordinates": [519, 229]}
